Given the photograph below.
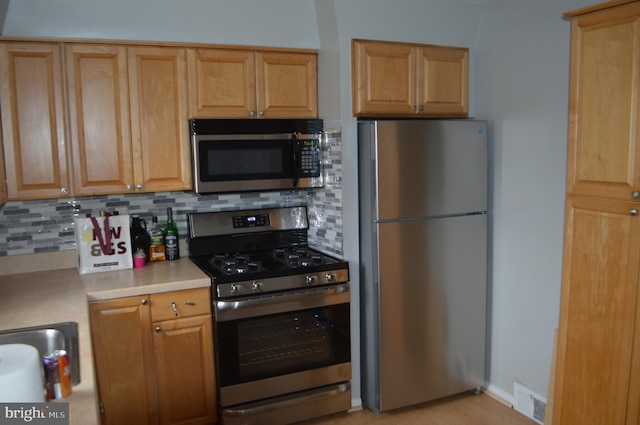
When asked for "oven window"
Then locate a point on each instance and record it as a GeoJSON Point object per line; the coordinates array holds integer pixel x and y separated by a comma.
{"type": "Point", "coordinates": [245, 159]}
{"type": "Point", "coordinates": [267, 346]}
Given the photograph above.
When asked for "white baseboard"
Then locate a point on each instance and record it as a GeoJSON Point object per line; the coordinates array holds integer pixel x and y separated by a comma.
{"type": "Point", "coordinates": [501, 395]}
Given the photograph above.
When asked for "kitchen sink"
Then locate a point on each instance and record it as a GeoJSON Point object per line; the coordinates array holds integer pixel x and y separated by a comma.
{"type": "Point", "coordinates": [47, 338]}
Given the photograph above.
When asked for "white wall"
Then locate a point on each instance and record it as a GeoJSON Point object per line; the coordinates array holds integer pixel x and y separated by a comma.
{"type": "Point", "coordinates": [523, 83]}
{"type": "Point", "coordinates": [288, 23]}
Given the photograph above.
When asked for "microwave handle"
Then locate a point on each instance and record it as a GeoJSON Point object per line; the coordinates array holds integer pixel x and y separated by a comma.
{"type": "Point", "coordinates": [294, 158]}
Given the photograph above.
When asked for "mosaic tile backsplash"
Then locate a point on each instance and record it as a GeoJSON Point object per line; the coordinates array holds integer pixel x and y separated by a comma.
{"type": "Point", "coordinates": [43, 226]}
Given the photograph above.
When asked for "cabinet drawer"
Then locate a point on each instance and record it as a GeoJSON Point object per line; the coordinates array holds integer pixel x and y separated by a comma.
{"type": "Point", "coordinates": [172, 305]}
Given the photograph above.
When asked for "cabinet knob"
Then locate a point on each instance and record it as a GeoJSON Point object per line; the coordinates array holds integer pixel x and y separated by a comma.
{"type": "Point", "coordinates": [421, 108]}
{"type": "Point", "coordinates": [633, 212]}
{"type": "Point", "coordinates": [64, 190]}
{"type": "Point", "coordinates": [414, 108]}
{"type": "Point", "coordinates": [158, 329]}
{"type": "Point", "coordinates": [635, 195]}
{"type": "Point", "coordinates": [252, 113]}
{"type": "Point", "coordinates": [129, 187]}
{"type": "Point", "coordinates": [173, 306]}
{"type": "Point", "coordinates": [144, 301]}
{"type": "Point", "coordinates": [139, 187]}
{"type": "Point", "coordinates": [262, 113]}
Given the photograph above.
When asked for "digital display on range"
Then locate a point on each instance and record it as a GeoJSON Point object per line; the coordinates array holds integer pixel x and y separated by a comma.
{"type": "Point", "coordinates": [260, 220]}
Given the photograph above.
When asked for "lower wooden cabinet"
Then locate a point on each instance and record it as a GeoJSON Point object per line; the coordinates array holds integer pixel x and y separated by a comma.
{"type": "Point", "coordinates": [150, 369]}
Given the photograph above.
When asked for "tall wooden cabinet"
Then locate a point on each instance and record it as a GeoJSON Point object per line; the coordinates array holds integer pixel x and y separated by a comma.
{"type": "Point", "coordinates": [154, 358]}
{"type": "Point", "coordinates": [597, 378]}
{"type": "Point", "coordinates": [403, 79]}
{"type": "Point", "coordinates": [33, 120]}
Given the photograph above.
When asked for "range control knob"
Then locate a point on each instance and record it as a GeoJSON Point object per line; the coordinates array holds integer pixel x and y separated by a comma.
{"type": "Point", "coordinates": [312, 280]}
{"type": "Point", "coordinates": [234, 289]}
{"type": "Point", "coordinates": [331, 277]}
{"type": "Point", "coordinates": [257, 286]}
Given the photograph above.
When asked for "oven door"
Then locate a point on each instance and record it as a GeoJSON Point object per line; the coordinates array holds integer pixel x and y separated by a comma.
{"type": "Point", "coordinates": [279, 344]}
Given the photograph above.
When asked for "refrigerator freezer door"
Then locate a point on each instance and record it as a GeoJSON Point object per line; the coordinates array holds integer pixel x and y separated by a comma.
{"type": "Point", "coordinates": [432, 292]}
{"type": "Point", "coordinates": [429, 168]}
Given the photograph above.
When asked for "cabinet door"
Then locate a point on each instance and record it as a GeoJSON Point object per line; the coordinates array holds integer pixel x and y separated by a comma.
{"type": "Point", "coordinates": [383, 79]}
{"type": "Point", "coordinates": [287, 85]}
{"type": "Point", "coordinates": [99, 115]}
{"type": "Point", "coordinates": [221, 83]}
{"type": "Point", "coordinates": [159, 121]}
{"type": "Point", "coordinates": [3, 180]}
{"type": "Point", "coordinates": [443, 81]}
{"type": "Point", "coordinates": [604, 108]}
{"type": "Point", "coordinates": [33, 120]}
{"type": "Point", "coordinates": [597, 375]}
{"type": "Point", "coordinates": [185, 370]}
{"type": "Point", "coordinates": [124, 363]}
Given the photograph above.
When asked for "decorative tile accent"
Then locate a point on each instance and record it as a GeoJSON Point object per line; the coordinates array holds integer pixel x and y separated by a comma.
{"type": "Point", "coordinates": [48, 225]}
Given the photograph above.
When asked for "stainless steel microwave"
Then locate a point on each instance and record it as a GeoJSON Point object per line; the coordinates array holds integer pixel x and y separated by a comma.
{"type": "Point", "coordinates": [241, 155]}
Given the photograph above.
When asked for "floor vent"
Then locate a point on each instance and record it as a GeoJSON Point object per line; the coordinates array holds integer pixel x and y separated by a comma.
{"type": "Point", "coordinates": [529, 403]}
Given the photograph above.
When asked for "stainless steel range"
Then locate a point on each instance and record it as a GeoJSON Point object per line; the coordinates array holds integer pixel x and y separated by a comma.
{"type": "Point", "coordinates": [281, 316]}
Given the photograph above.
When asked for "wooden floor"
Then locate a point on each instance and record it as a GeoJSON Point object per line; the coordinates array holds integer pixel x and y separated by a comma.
{"type": "Point", "coordinates": [465, 409]}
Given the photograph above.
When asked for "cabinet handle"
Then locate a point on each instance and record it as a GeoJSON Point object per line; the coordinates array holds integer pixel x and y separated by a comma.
{"type": "Point", "coordinates": [158, 329]}
{"type": "Point", "coordinates": [64, 190]}
{"type": "Point", "coordinates": [173, 305]}
{"type": "Point", "coordinates": [633, 212]}
{"type": "Point", "coordinates": [144, 301]}
{"type": "Point", "coordinates": [129, 187]}
{"type": "Point", "coordinates": [189, 303]}
{"type": "Point", "coordinates": [635, 195]}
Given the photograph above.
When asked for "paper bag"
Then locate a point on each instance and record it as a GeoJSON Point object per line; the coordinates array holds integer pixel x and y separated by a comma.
{"type": "Point", "coordinates": [103, 243]}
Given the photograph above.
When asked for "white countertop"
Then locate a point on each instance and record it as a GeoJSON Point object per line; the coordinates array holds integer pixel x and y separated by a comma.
{"type": "Point", "coordinates": [42, 297]}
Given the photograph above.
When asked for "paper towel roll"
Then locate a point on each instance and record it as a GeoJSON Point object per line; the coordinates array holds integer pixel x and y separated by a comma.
{"type": "Point", "coordinates": [20, 374]}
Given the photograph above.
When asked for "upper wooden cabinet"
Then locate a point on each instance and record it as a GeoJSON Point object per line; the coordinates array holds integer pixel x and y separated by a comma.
{"type": "Point", "coordinates": [128, 117]}
{"type": "Point", "coordinates": [33, 120]}
{"type": "Point", "coordinates": [252, 84]}
{"type": "Point", "coordinates": [99, 116]}
{"type": "Point", "coordinates": [604, 111]}
{"type": "Point", "coordinates": [402, 79]}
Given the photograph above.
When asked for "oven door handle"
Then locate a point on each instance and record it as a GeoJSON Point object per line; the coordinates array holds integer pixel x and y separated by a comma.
{"type": "Point", "coordinates": [281, 303]}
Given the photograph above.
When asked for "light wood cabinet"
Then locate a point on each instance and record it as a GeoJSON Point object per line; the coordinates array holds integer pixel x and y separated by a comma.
{"type": "Point", "coordinates": [154, 358]}
{"type": "Point", "coordinates": [403, 79]}
{"type": "Point", "coordinates": [3, 179]}
{"type": "Point", "coordinates": [597, 375]}
{"type": "Point", "coordinates": [252, 84]}
{"type": "Point", "coordinates": [99, 115]}
{"type": "Point", "coordinates": [33, 120]}
{"type": "Point", "coordinates": [124, 361]}
{"type": "Point", "coordinates": [128, 116]}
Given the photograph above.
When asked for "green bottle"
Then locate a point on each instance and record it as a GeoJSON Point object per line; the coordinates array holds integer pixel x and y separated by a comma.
{"type": "Point", "coordinates": [170, 233]}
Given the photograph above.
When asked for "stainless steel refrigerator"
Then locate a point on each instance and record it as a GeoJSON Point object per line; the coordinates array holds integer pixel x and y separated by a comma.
{"type": "Point", "coordinates": [423, 249]}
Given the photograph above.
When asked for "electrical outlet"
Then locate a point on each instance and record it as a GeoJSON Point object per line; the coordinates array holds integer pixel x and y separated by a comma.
{"type": "Point", "coordinates": [529, 403]}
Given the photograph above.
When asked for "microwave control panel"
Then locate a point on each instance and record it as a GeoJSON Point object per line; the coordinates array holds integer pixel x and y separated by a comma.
{"type": "Point", "coordinates": [309, 157]}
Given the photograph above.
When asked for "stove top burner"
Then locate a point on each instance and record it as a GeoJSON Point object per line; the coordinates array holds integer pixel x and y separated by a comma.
{"type": "Point", "coordinates": [298, 257]}
{"type": "Point", "coordinates": [278, 258]}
